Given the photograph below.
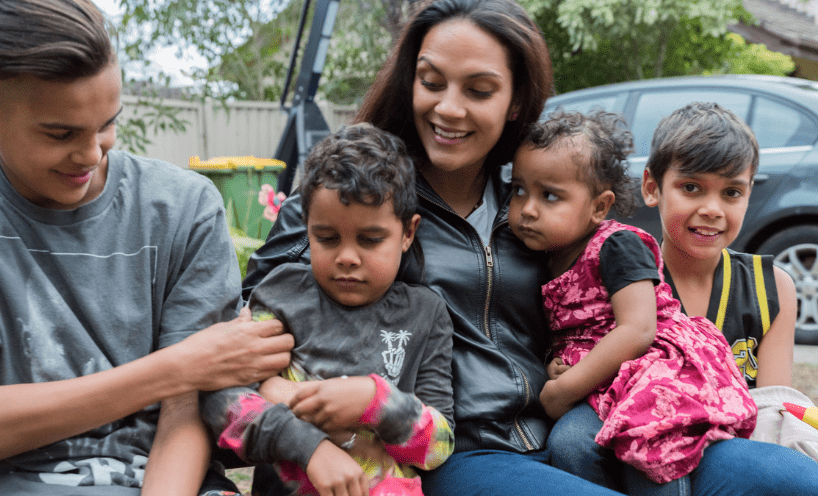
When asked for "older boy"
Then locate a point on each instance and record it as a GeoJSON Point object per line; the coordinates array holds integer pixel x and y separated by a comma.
{"type": "Point", "coordinates": [110, 263]}
{"type": "Point", "coordinates": [699, 176]}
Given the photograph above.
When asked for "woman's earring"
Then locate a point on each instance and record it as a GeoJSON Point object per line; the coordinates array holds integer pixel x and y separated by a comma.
{"type": "Point", "coordinates": [514, 116]}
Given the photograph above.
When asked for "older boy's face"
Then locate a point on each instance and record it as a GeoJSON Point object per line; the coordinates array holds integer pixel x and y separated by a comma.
{"type": "Point", "coordinates": [355, 249]}
{"type": "Point", "coordinates": [701, 213]}
{"type": "Point", "coordinates": [55, 136]}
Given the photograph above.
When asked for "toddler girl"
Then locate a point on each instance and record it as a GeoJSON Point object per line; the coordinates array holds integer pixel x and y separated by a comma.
{"type": "Point", "coordinates": [664, 384]}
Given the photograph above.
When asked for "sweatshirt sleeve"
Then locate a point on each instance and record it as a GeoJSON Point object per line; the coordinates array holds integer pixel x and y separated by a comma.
{"type": "Point", "coordinates": [256, 430]}
{"type": "Point", "coordinates": [417, 429]}
{"type": "Point", "coordinates": [412, 433]}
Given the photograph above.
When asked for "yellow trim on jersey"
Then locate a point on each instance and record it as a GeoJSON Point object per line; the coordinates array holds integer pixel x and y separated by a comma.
{"type": "Point", "coordinates": [725, 290]}
{"type": "Point", "coordinates": [761, 294]}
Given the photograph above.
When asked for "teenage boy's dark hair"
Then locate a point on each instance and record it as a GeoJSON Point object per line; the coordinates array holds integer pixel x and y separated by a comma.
{"type": "Point", "coordinates": [54, 40]}
{"type": "Point", "coordinates": [365, 165]}
{"type": "Point", "coordinates": [702, 138]}
{"type": "Point", "coordinates": [608, 144]}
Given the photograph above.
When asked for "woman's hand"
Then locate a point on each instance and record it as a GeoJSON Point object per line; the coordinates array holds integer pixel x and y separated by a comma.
{"type": "Point", "coordinates": [555, 401]}
{"type": "Point", "coordinates": [556, 367]}
{"type": "Point", "coordinates": [334, 473]}
{"type": "Point", "coordinates": [333, 404]}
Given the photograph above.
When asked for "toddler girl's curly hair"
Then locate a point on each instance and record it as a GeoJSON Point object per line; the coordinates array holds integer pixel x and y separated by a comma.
{"type": "Point", "coordinates": [606, 142]}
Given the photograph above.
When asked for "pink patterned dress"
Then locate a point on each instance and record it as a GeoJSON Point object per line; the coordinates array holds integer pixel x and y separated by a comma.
{"type": "Point", "coordinates": [663, 408]}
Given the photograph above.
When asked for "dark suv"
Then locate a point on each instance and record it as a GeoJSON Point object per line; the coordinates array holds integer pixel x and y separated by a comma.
{"type": "Point", "coordinates": [782, 219]}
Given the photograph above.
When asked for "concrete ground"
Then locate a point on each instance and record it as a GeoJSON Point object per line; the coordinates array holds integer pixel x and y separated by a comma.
{"type": "Point", "coordinates": [805, 354]}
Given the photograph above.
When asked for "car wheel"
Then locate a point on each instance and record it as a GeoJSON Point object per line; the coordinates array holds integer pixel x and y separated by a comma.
{"type": "Point", "coordinates": [795, 250]}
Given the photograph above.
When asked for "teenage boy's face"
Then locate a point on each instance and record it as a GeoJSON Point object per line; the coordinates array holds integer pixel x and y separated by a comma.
{"type": "Point", "coordinates": [55, 136]}
{"type": "Point", "coordinates": [701, 213]}
{"type": "Point", "coordinates": [355, 249]}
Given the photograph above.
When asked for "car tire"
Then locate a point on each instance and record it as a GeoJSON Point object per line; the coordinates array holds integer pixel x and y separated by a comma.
{"type": "Point", "coordinates": [795, 250]}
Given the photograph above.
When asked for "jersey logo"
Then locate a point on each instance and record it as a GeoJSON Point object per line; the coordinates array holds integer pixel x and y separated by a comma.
{"type": "Point", "coordinates": [394, 355]}
{"type": "Point", "coordinates": [744, 354]}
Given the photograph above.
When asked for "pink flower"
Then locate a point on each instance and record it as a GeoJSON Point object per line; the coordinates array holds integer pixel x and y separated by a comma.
{"type": "Point", "coordinates": [271, 201]}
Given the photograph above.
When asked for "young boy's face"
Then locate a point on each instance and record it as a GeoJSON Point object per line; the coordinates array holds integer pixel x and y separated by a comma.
{"type": "Point", "coordinates": [55, 136]}
{"type": "Point", "coordinates": [355, 249]}
{"type": "Point", "coordinates": [701, 213]}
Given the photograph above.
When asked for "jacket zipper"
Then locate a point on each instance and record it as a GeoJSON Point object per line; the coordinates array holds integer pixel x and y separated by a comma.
{"type": "Point", "coordinates": [489, 265]}
{"type": "Point", "coordinates": [517, 424]}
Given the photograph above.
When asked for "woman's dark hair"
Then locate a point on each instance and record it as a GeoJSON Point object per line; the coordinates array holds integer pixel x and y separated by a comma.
{"type": "Point", "coordinates": [607, 144]}
{"type": "Point", "coordinates": [54, 40]}
{"type": "Point", "coordinates": [702, 138]}
{"type": "Point", "coordinates": [365, 165]}
{"type": "Point", "coordinates": [388, 104]}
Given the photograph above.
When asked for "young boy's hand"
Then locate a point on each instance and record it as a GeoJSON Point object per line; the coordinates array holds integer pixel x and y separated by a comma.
{"type": "Point", "coordinates": [556, 367]}
{"type": "Point", "coordinates": [554, 400]}
{"type": "Point", "coordinates": [334, 473]}
{"type": "Point", "coordinates": [277, 389]}
{"type": "Point", "coordinates": [333, 404]}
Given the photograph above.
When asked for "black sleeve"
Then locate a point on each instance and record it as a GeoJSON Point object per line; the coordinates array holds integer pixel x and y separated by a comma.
{"type": "Point", "coordinates": [625, 259]}
{"type": "Point", "coordinates": [287, 242]}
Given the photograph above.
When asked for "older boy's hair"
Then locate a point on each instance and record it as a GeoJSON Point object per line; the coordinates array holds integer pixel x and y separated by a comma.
{"type": "Point", "coordinates": [608, 144]}
{"type": "Point", "coordinates": [365, 165]}
{"type": "Point", "coordinates": [54, 40]}
{"type": "Point", "coordinates": [702, 138]}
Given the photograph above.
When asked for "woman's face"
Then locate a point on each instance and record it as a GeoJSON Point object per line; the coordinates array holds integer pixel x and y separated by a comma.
{"type": "Point", "coordinates": [462, 95]}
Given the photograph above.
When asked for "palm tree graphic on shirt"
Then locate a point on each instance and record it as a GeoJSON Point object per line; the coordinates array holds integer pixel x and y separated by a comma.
{"type": "Point", "coordinates": [394, 355]}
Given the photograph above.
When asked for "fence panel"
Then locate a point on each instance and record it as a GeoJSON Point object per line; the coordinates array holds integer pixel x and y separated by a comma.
{"type": "Point", "coordinates": [233, 129]}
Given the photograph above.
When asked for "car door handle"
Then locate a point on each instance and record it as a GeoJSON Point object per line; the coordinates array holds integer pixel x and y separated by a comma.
{"type": "Point", "coordinates": [760, 178]}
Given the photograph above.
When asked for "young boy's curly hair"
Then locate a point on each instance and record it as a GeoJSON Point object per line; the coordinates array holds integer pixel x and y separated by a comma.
{"type": "Point", "coordinates": [366, 165]}
{"type": "Point", "coordinates": [608, 143]}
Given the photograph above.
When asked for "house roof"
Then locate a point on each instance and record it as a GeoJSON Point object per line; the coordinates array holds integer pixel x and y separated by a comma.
{"type": "Point", "coordinates": [781, 28]}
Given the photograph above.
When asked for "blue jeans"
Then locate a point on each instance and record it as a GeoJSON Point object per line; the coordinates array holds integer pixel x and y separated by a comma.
{"type": "Point", "coordinates": [734, 467]}
{"type": "Point", "coordinates": [493, 472]}
{"type": "Point", "coordinates": [572, 448]}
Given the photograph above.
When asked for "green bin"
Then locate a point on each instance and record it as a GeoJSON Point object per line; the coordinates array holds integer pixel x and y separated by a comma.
{"type": "Point", "coordinates": [239, 180]}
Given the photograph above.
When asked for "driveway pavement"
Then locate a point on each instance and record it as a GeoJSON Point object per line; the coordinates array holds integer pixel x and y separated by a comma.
{"type": "Point", "coordinates": [805, 354]}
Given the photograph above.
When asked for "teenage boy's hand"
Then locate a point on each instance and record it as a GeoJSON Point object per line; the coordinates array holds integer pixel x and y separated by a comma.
{"type": "Point", "coordinates": [333, 404]}
{"type": "Point", "coordinates": [234, 353]}
{"type": "Point", "coordinates": [334, 473]}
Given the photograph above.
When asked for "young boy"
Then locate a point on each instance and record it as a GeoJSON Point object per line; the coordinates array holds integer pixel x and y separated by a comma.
{"type": "Point", "coordinates": [110, 263]}
{"type": "Point", "coordinates": [376, 352]}
{"type": "Point", "coordinates": [700, 175]}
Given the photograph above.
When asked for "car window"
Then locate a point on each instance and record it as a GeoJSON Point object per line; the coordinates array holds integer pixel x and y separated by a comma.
{"type": "Point", "coordinates": [585, 106]}
{"type": "Point", "coordinates": [777, 125]}
{"type": "Point", "coordinates": [654, 105]}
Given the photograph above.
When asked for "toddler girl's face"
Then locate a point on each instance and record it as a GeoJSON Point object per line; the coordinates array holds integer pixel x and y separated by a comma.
{"type": "Point", "coordinates": [355, 249]}
{"type": "Point", "coordinates": [551, 205]}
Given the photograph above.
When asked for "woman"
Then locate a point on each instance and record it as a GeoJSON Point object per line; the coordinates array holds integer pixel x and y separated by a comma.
{"type": "Point", "coordinates": [464, 81]}
{"type": "Point", "coordinates": [109, 262]}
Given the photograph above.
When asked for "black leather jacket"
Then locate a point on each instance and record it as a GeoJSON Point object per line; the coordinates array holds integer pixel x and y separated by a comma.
{"type": "Point", "coordinates": [494, 298]}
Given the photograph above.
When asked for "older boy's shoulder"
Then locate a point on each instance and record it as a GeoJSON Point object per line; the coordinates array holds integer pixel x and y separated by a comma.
{"type": "Point", "coordinates": [159, 180]}
{"type": "Point", "coordinates": [164, 175]}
